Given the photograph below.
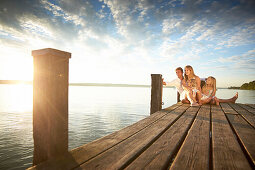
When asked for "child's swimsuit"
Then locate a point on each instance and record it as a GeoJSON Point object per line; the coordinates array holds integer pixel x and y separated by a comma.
{"type": "Point", "coordinates": [207, 96]}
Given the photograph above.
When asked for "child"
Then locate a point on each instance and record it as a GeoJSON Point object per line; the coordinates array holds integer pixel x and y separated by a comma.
{"type": "Point", "coordinates": [208, 90]}
{"type": "Point", "coordinates": [191, 85]}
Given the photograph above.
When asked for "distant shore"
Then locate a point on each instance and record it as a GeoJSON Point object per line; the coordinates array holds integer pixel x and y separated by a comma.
{"type": "Point", "coordinates": [245, 86]}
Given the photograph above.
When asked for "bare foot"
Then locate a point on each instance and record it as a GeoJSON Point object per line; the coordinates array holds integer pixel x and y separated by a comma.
{"type": "Point", "coordinates": [235, 97]}
{"type": "Point", "coordinates": [216, 101]}
{"type": "Point", "coordinates": [194, 104]}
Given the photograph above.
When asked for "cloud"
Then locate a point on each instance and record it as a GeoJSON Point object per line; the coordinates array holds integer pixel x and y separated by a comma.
{"type": "Point", "coordinates": [245, 61]}
{"type": "Point", "coordinates": [139, 35]}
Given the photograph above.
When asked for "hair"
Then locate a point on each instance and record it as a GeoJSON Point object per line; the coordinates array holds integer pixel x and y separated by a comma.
{"type": "Point", "coordinates": [191, 72]}
{"type": "Point", "coordinates": [179, 68]}
{"type": "Point", "coordinates": [214, 82]}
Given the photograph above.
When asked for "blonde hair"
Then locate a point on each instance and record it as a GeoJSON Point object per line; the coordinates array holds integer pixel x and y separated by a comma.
{"type": "Point", "coordinates": [213, 82]}
{"type": "Point", "coordinates": [192, 74]}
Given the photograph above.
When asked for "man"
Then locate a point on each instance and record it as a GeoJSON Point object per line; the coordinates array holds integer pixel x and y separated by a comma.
{"type": "Point", "coordinates": [178, 84]}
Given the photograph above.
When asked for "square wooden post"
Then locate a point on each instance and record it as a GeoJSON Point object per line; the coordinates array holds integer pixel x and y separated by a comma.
{"type": "Point", "coordinates": [156, 92]}
{"type": "Point", "coordinates": [50, 103]}
{"type": "Point", "coordinates": [178, 97]}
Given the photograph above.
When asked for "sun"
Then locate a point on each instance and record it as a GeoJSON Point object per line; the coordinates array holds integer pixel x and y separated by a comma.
{"type": "Point", "coordinates": [16, 64]}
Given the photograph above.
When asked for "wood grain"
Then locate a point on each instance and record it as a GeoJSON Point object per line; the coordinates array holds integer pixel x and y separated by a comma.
{"type": "Point", "coordinates": [250, 109]}
{"type": "Point", "coordinates": [245, 133]}
{"type": "Point", "coordinates": [86, 152]}
{"type": "Point", "coordinates": [251, 105]}
{"type": "Point", "coordinates": [160, 153]}
{"type": "Point", "coordinates": [194, 152]}
{"type": "Point", "coordinates": [120, 155]}
{"type": "Point", "coordinates": [246, 114]}
{"type": "Point", "coordinates": [50, 104]}
{"type": "Point", "coordinates": [228, 109]}
{"type": "Point", "coordinates": [226, 150]}
{"type": "Point", "coordinates": [156, 92]}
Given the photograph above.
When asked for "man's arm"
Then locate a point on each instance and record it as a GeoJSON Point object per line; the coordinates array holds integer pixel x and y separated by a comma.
{"type": "Point", "coordinates": [172, 83]}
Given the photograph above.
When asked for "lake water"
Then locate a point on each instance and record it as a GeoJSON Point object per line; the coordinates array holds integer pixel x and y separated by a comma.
{"type": "Point", "coordinates": [93, 112]}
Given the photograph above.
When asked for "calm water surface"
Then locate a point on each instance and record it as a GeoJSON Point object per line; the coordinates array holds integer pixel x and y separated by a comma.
{"type": "Point", "coordinates": [93, 112]}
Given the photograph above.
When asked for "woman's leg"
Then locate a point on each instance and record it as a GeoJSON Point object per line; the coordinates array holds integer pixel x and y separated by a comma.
{"type": "Point", "coordinates": [199, 96]}
{"type": "Point", "coordinates": [231, 100]}
{"type": "Point", "coordinates": [191, 98]}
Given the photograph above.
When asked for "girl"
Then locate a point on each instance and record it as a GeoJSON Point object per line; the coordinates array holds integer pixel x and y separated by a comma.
{"type": "Point", "coordinates": [208, 90]}
{"type": "Point", "coordinates": [191, 85]}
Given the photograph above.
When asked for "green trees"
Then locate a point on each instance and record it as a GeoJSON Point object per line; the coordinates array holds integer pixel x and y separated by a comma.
{"type": "Point", "coordinates": [248, 86]}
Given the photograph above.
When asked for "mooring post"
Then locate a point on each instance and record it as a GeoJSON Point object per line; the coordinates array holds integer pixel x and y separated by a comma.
{"type": "Point", "coordinates": [156, 93]}
{"type": "Point", "coordinates": [50, 103]}
{"type": "Point", "coordinates": [178, 97]}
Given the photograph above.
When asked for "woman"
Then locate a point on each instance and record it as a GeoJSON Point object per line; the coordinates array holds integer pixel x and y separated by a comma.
{"type": "Point", "coordinates": [191, 85]}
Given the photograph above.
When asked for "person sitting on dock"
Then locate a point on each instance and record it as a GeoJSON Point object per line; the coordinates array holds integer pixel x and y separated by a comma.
{"type": "Point", "coordinates": [192, 86]}
{"type": "Point", "coordinates": [209, 91]}
{"type": "Point", "coordinates": [178, 84]}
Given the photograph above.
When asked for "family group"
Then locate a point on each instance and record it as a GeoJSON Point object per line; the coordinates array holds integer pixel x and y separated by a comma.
{"type": "Point", "coordinates": [192, 92]}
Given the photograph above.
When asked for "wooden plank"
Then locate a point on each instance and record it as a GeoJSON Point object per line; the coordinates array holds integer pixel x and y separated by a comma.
{"type": "Point", "coordinates": [246, 114]}
{"type": "Point", "coordinates": [120, 155]}
{"type": "Point", "coordinates": [251, 105]}
{"type": "Point", "coordinates": [227, 153]}
{"type": "Point", "coordinates": [250, 109]}
{"type": "Point", "coordinates": [86, 152]}
{"type": "Point", "coordinates": [195, 151]}
{"type": "Point", "coordinates": [227, 108]}
{"type": "Point", "coordinates": [159, 154]}
{"type": "Point", "coordinates": [245, 133]}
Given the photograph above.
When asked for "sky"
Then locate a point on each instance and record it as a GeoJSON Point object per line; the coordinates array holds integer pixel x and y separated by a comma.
{"type": "Point", "coordinates": [125, 41]}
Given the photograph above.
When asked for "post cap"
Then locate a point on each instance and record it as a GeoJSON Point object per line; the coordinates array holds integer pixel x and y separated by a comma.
{"type": "Point", "coordinates": [51, 51]}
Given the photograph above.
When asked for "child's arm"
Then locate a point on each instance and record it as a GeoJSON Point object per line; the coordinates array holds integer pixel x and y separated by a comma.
{"type": "Point", "coordinates": [214, 92]}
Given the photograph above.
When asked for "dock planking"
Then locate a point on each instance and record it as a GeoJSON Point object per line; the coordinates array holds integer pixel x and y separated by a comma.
{"type": "Point", "coordinates": [177, 137]}
{"type": "Point", "coordinates": [248, 116]}
{"type": "Point", "coordinates": [195, 149]}
{"type": "Point", "coordinates": [225, 148]}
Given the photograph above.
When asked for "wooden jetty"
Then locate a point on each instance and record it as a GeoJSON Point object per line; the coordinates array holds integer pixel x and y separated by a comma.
{"type": "Point", "coordinates": [177, 137]}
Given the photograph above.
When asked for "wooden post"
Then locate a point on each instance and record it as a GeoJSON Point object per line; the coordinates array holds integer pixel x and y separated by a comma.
{"type": "Point", "coordinates": [156, 93]}
{"type": "Point", "coordinates": [50, 103]}
{"type": "Point", "coordinates": [178, 97]}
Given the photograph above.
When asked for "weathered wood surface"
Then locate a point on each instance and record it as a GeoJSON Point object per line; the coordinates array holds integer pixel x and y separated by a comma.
{"type": "Point", "coordinates": [160, 153]}
{"type": "Point", "coordinates": [177, 137]}
{"type": "Point", "coordinates": [248, 116]}
{"type": "Point", "coordinates": [226, 150]}
{"type": "Point", "coordinates": [195, 150]}
{"type": "Point", "coordinates": [156, 93]}
{"type": "Point", "coordinates": [50, 104]}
